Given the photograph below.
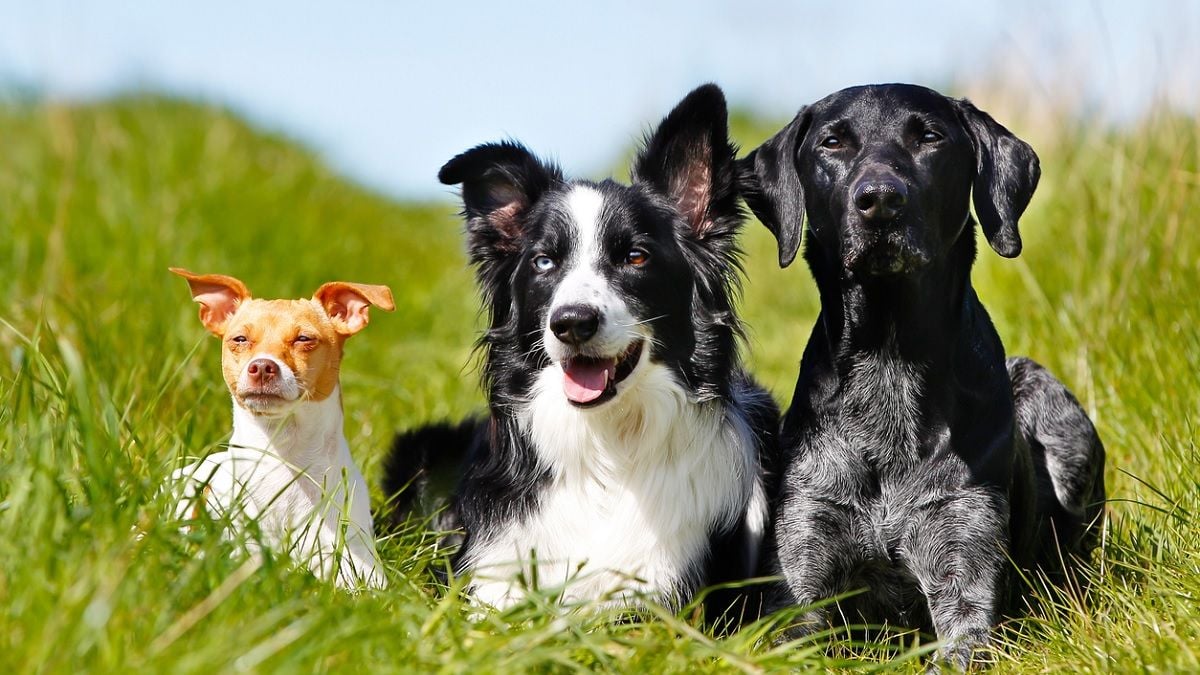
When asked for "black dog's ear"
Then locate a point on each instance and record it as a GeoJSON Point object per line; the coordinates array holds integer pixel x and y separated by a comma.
{"type": "Point", "coordinates": [689, 158]}
{"type": "Point", "coordinates": [1006, 174]}
{"type": "Point", "coordinates": [500, 181]}
{"type": "Point", "coordinates": [770, 183]}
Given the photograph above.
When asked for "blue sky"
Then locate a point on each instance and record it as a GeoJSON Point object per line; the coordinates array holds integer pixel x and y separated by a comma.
{"type": "Point", "coordinates": [388, 91]}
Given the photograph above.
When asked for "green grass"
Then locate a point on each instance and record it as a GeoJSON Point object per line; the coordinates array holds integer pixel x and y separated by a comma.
{"type": "Point", "coordinates": [107, 379]}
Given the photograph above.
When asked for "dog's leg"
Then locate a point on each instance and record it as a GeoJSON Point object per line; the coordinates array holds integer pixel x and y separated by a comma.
{"type": "Point", "coordinates": [1067, 453]}
{"type": "Point", "coordinates": [203, 488]}
{"type": "Point", "coordinates": [815, 553]}
{"type": "Point", "coordinates": [956, 552]}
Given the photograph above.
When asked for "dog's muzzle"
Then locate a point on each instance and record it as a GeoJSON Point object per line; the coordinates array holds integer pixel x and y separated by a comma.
{"type": "Point", "coordinates": [879, 197]}
{"type": "Point", "coordinates": [266, 383]}
{"type": "Point", "coordinates": [881, 237]}
{"type": "Point", "coordinates": [592, 366]}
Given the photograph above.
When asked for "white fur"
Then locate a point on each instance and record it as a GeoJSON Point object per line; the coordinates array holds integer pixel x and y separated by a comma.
{"type": "Point", "coordinates": [637, 486]}
{"type": "Point", "coordinates": [584, 285]}
{"type": "Point", "coordinates": [292, 474]}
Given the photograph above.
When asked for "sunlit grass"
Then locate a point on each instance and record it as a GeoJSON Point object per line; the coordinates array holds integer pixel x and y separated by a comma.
{"type": "Point", "coordinates": [107, 378]}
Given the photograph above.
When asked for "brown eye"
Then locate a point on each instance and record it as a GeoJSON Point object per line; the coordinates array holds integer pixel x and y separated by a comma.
{"type": "Point", "coordinates": [240, 339]}
{"type": "Point", "coordinates": [636, 257]}
{"type": "Point", "coordinates": [831, 142]}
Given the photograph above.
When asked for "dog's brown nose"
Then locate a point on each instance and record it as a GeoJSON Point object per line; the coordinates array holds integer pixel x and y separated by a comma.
{"type": "Point", "coordinates": [262, 371]}
{"type": "Point", "coordinates": [880, 198]}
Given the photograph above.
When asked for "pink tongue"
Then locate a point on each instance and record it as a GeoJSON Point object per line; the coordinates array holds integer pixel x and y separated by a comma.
{"type": "Point", "coordinates": [585, 382]}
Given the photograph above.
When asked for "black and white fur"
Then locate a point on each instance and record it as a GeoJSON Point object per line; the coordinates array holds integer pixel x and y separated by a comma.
{"type": "Point", "coordinates": [655, 487]}
{"type": "Point", "coordinates": [917, 460]}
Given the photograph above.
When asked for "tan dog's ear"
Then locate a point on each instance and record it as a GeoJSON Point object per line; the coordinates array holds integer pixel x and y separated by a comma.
{"type": "Point", "coordinates": [218, 295]}
{"type": "Point", "coordinates": [347, 303]}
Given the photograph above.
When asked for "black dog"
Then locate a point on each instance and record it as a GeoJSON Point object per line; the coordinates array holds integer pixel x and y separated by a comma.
{"type": "Point", "coordinates": [625, 449]}
{"type": "Point", "coordinates": [916, 461]}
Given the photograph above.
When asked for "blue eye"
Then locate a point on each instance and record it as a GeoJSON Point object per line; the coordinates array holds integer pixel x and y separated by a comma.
{"type": "Point", "coordinates": [543, 263]}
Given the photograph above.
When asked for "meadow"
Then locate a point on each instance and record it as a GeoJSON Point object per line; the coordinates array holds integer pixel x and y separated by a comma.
{"type": "Point", "coordinates": [107, 381]}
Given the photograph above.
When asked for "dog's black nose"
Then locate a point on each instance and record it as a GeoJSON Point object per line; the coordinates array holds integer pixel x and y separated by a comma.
{"type": "Point", "coordinates": [880, 198]}
{"type": "Point", "coordinates": [575, 324]}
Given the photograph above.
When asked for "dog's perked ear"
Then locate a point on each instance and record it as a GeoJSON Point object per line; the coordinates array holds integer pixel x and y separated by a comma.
{"type": "Point", "coordinates": [500, 182]}
{"type": "Point", "coordinates": [689, 159]}
{"type": "Point", "coordinates": [346, 304]}
{"type": "Point", "coordinates": [770, 184]}
{"type": "Point", "coordinates": [1006, 174]}
{"type": "Point", "coordinates": [219, 297]}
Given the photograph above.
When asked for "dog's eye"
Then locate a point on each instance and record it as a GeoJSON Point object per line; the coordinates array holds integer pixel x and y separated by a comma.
{"type": "Point", "coordinates": [931, 136]}
{"type": "Point", "coordinates": [831, 142]}
{"type": "Point", "coordinates": [240, 339]}
{"type": "Point", "coordinates": [303, 338]}
{"type": "Point", "coordinates": [636, 257]}
{"type": "Point", "coordinates": [543, 263]}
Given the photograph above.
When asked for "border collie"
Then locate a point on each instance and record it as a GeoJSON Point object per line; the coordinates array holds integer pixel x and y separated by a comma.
{"type": "Point", "coordinates": [626, 451]}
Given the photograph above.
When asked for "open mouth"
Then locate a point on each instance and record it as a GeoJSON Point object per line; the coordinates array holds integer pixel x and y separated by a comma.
{"type": "Point", "coordinates": [590, 381]}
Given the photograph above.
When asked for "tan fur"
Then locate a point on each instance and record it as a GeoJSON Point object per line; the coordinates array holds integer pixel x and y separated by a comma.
{"type": "Point", "coordinates": [274, 327]}
{"type": "Point", "coordinates": [336, 311]}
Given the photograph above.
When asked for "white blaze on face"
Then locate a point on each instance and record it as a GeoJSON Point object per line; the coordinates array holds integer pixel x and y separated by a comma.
{"type": "Point", "coordinates": [589, 370]}
{"type": "Point", "coordinates": [584, 284]}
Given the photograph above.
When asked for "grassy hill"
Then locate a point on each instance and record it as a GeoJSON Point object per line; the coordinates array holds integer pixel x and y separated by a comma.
{"type": "Point", "coordinates": [107, 380]}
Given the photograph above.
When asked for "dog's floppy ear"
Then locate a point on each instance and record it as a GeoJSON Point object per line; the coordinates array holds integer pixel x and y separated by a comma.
{"type": "Point", "coordinates": [770, 183]}
{"type": "Point", "coordinates": [219, 297]}
{"type": "Point", "coordinates": [689, 158]}
{"type": "Point", "coordinates": [346, 304]}
{"type": "Point", "coordinates": [500, 182]}
{"type": "Point", "coordinates": [1006, 174]}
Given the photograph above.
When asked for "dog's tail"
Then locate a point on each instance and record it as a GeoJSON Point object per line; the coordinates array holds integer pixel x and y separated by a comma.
{"type": "Point", "coordinates": [423, 467]}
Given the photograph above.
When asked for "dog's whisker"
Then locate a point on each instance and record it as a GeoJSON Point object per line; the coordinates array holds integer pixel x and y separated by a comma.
{"type": "Point", "coordinates": [642, 322]}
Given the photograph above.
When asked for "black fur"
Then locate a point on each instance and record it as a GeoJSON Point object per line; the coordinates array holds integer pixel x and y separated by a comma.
{"type": "Point", "coordinates": [910, 469]}
{"type": "Point", "coordinates": [421, 469]}
{"type": "Point", "coordinates": [682, 208]}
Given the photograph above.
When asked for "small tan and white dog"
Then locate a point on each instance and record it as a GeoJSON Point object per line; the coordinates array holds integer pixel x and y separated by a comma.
{"type": "Point", "coordinates": [288, 467]}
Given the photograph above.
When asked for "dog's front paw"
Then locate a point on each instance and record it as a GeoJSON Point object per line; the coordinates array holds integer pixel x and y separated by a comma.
{"type": "Point", "coordinates": [961, 653]}
{"type": "Point", "coordinates": [807, 624]}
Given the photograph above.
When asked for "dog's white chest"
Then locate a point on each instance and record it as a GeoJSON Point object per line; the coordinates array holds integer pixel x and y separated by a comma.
{"type": "Point", "coordinates": [312, 504]}
{"type": "Point", "coordinates": [631, 503]}
{"type": "Point", "coordinates": [599, 538]}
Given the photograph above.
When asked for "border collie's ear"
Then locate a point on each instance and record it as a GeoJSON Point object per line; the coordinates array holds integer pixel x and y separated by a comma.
{"type": "Point", "coordinates": [689, 158]}
{"type": "Point", "coordinates": [771, 186]}
{"type": "Point", "coordinates": [500, 181]}
{"type": "Point", "coordinates": [1006, 174]}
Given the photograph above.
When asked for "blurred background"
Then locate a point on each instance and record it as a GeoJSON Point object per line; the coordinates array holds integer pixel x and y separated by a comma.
{"type": "Point", "coordinates": [386, 92]}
